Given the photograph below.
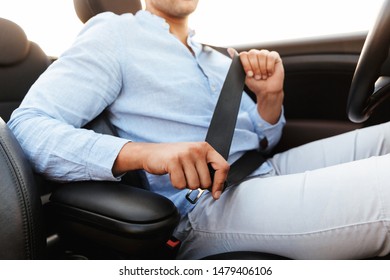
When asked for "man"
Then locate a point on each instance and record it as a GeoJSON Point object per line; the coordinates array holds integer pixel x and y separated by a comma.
{"type": "Point", "coordinates": [160, 88]}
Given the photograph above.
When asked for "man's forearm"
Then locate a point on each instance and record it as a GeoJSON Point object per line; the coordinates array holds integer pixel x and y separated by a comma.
{"type": "Point", "coordinates": [270, 107]}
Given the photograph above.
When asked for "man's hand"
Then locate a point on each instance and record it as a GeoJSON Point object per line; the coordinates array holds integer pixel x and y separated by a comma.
{"type": "Point", "coordinates": [186, 163]}
{"type": "Point", "coordinates": [265, 77]}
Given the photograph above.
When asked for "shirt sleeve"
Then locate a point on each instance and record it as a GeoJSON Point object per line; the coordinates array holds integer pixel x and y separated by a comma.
{"type": "Point", "coordinates": [269, 135]}
{"type": "Point", "coordinates": [73, 91]}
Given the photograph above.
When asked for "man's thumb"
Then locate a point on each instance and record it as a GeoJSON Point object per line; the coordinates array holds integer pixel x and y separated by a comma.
{"type": "Point", "coordinates": [232, 52]}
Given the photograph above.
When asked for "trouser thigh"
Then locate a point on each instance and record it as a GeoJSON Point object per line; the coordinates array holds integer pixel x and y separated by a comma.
{"type": "Point", "coordinates": [347, 147]}
{"type": "Point", "coordinates": [336, 212]}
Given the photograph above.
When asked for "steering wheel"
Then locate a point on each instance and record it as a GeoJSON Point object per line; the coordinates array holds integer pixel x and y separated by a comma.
{"type": "Point", "coordinates": [369, 86]}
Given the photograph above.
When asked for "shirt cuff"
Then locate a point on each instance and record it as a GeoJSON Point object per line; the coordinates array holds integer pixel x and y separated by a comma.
{"type": "Point", "coordinates": [269, 134]}
{"type": "Point", "coordinates": [102, 157]}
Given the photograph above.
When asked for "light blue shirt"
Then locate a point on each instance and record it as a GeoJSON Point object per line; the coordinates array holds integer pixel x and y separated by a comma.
{"type": "Point", "coordinates": [154, 89]}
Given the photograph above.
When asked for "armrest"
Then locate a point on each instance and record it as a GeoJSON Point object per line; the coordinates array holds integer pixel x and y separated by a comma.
{"type": "Point", "coordinates": [118, 216]}
{"type": "Point", "coordinates": [115, 215]}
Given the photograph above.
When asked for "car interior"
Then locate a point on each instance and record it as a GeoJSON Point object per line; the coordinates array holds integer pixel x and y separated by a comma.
{"type": "Point", "coordinates": [40, 219]}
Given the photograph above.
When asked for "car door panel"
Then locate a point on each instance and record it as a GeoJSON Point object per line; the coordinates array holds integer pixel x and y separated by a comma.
{"type": "Point", "coordinates": [318, 75]}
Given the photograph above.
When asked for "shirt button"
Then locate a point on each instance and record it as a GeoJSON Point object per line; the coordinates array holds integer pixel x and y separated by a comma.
{"type": "Point", "coordinates": [264, 143]}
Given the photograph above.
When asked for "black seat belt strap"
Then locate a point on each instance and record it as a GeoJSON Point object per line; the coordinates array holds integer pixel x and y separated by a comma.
{"type": "Point", "coordinates": [222, 125]}
{"type": "Point", "coordinates": [223, 122]}
{"type": "Point", "coordinates": [244, 166]}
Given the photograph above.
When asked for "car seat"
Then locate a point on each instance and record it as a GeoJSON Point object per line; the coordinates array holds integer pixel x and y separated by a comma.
{"type": "Point", "coordinates": [99, 220]}
{"type": "Point", "coordinates": [21, 63]}
{"type": "Point", "coordinates": [21, 218]}
{"type": "Point", "coordinates": [134, 222]}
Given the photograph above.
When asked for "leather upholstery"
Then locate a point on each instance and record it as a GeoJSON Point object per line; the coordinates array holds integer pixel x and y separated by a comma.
{"type": "Point", "coordinates": [13, 43]}
{"type": "Point", "coordinates": [21, 63]}
{"type": "Point", "coordinates": [123, 203]}
{"type": "Point", "coordinates": [86, 9]}
{"type": "Point", "coordinates": [21, 233]}
{"type": "Point", "coordinates": [116, 217]}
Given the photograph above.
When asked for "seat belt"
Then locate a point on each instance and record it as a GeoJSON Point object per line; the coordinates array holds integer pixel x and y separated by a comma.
{"type": "Point", "coordinates": [221, 129]}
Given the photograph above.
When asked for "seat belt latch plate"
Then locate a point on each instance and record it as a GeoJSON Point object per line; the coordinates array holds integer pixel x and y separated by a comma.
{"type": "Point", "coordinates": [192, 198]}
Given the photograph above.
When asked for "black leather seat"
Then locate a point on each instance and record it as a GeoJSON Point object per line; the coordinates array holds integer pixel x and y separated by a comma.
{"type": "Point", "coordinates": [86, 9]}
{"type": "Point", "coordinates": [21, 63]}
{"type": "Point", "coordinates": [111, 217]}
{"type": "Point", "coordinates": [21, 220]}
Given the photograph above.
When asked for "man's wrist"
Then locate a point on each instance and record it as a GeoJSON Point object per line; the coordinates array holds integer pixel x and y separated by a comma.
{"type": "Point", "coordinates": [270, 107]}
{"type": "Point", "coordinates": [127, 159]}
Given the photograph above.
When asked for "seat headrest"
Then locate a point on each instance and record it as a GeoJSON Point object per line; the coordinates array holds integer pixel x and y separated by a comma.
{"type": "Point", "coordinates": [14, 44]}
{"type": "Point", "coordinates": [86, 9]}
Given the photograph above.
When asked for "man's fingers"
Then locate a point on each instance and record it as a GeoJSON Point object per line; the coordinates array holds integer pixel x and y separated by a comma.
{"type": "Point", "coordinates": [246, 64]}
{"type": "Point", "coordinates": [259, 64]}
{"type": "Point", "coordinates": [204, 175]}
{"type": "Point", "coordinates": [255, 64]}
{"type": "Point", "coordinates": [221, 168]}
{"type": "Point", "coordinates": [219, 182]}
{"type": "Point", "coordinates": [188, 167]}
{"type": "Point", "coordinates": [273, 59]}
{"type": "Point", "coordinates": [192, 176]}
{"type": "Point", "coordinates": [177, 176]}
{"type": "Point", "coordinates": [232, 52]}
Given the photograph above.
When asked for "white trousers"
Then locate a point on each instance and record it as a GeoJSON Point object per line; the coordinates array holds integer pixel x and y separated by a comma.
{"type": "Point", "coordinates": [328, 199]}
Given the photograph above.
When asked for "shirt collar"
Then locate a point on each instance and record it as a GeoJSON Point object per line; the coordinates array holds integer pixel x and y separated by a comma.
{"type": "Point", "coordinates": [150, 19]}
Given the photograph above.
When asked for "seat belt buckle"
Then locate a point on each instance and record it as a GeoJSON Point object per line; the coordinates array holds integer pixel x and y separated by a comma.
{"type": "Point", "coordinates": [193, 198]}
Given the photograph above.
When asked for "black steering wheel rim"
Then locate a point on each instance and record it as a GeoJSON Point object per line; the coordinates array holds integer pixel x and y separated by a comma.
{"type": "Point", "coordinates": [369, 88]}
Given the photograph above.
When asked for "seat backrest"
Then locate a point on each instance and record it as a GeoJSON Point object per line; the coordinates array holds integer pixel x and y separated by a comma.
{"type": "Point", "coordinates": [21, 63]}
{"type": "Point", "coordinates": [21, 231]}
{"type": "Point", "coordinates": [86, 9]}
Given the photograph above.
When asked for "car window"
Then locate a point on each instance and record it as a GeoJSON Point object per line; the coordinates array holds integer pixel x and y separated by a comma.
{"type": "Point", "coordinates": [53, 24]}
{"type": "Point", "coordinates": [252, 21]}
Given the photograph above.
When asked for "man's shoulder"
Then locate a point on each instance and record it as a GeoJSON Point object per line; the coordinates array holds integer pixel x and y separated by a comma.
{"type": "Point", "coordinates": [107, 26]}
{"type": "Point", "coordinates": [109, 18]}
